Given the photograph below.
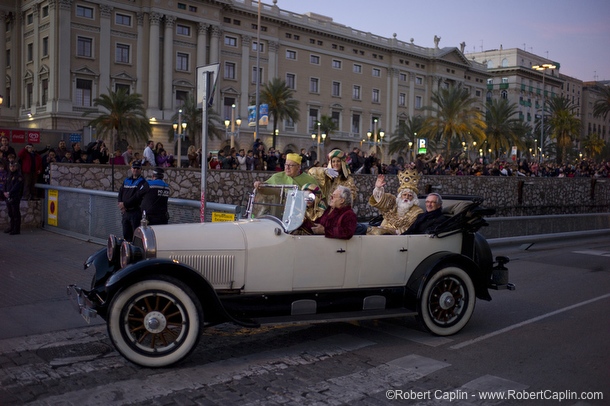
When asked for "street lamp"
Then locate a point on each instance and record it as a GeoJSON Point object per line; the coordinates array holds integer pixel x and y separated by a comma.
{"type": "Point", "coordinates": [410, 155]}
{"type": "Point", "coordinates": [321, 138]}
{"type": "Point", "coordinates": [232, 123]}
{"type": "Point", "coordinates": [543, 68]}
{"type": "Point", "coordinates": [376, 134]}
{"type": "Point", "coordinates": [179, 131]}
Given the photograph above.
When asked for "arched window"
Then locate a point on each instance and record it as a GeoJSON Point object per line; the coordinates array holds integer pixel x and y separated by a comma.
{"type": "Point", "coordinates": [504, 63]}
{"type": "Point", "coordinates": [504, 94]}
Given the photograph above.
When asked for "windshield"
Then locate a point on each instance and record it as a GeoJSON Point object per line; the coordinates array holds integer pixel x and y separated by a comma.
{"type": "Point", "coordinates": [284, 202]}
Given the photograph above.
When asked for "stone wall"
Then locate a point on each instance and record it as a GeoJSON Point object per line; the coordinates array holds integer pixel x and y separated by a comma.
{"type": "Point", "coordinates": [510, 196]}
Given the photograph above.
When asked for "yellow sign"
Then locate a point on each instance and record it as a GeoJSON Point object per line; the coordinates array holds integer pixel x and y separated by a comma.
{"type": "Point", "coordinates": [219, 216]}
{"type": "Point", "coordinates": [52, 208]}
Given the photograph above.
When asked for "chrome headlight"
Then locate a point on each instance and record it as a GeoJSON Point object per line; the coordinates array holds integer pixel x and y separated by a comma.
{"type": "Point", "coordinates": [113, 248]}
{"type": "Point", "coordinates": [130, 254]}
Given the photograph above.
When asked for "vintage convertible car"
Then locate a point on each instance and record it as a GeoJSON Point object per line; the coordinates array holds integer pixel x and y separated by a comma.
{"type": "Point", "coordinates": [158, 293]}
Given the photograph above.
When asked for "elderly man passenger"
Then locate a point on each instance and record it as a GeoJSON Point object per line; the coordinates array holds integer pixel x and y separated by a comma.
{"type": "Point", "coordinates": [431, 218]}
{"type": "Point", "coordinates": [400, 211]}
{"type": "Point", "coordinates": [291, 175]}
{"type": "Point", "coordinates": [339, 220]}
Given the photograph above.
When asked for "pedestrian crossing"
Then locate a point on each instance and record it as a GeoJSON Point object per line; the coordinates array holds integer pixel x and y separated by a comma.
{"type": "Point", "coordinates": [326, 370]}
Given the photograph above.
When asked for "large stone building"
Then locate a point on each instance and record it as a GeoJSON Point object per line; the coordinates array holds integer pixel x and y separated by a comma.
{"type": "Point", "coordinates": [61, 54]}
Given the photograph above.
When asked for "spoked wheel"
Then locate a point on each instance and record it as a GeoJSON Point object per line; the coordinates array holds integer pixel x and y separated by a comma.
{"type": "Point", "coordinates": [155, 322]}
{"type": "Point", "coordinates": [447, 301]}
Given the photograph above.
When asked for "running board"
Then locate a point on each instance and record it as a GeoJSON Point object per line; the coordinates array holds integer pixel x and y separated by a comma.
{"type": "Point", "coordinates": [334, 317]}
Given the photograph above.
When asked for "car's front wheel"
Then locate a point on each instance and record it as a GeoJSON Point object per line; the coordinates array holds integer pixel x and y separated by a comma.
{"type": "Point", "coordinates": [447, 301]}
{"type": "Point", "coordinates": [155, 322]}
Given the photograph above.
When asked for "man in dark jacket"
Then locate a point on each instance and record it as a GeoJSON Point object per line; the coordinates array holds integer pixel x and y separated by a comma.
{"type": "Point", "coordinates": [154, 202]}
{"type": "Point", "coordinates": [431, 218]}
{"type": "Point", "coordinates": [131, 194]}
{"type": "Point", "coordinates": [12, 192]}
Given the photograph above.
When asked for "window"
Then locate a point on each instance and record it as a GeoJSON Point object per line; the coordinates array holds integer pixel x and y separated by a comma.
{"type": "Point", "coordinates": [402, 77]}
{"type": "Point", "coordinates": [84, 47]}
{"type": "Point", "coordinates": [490, 81]}
{"type": "Point", "coordinates": [260, 75]}
{"type": "Point", "coordinates": [83, 92]}
{"type": "Point", "coordinates": [504, 94]}
{"type": "Point", "coordinates": [314, 59]}
{"type": "Point", "coordinates": [181, 96]}
{"type": "Point", "coordinates": [227, 107]}
{"type": "Point", "coordinates": [419, 80]}
{"type": "Point", "coordinates": [255, 46]}
{"type": "Point", "coordinates": [45, 11]}
{"type": "Point", "coordinates": [184, 30]}
{"type": "Point", "coordinates": [313, 119]}
{"type": "Point", "coordinates": [314, 85]}
{"type": "Point", "coordinates": [182, 61]}
{"type": "Point", "coordinates": [84, 12]}
{"type": "Point", "coordinates": [356, 93]}
{"type": "Point", "coordinates": [45, 91]}
{"type": "Point", "coordinates": [122, 86]}
{"type": "Point", "coordinates": [477, 93]}
{"type": "Point", "coordinates": [504, 63]}
{"type": "Point", "coordinates": [402, 99]}
{"type": "Point", "coordinates": [181, 6]}
{"type": "Point", "coordinates": [8, 58]}
{"type": "Point", "coordinates": [296, 37]}
{"type": "Point", "coordinates": [29, 94]}
{"type": "Point", "coordinates": [29, 19]}
{"type": "Point", "coordinates": [291, 54]}
{"type": "Point", "coordinates": [356, 123]}
{"type": "Point", "coordinates": [236, 22]}
{"type": "Point", "coordinates": [291, 81]}
{"type": "Point", "coordinates": [375, 96]}
{"type": "Point", "coordinates": [357, 68]}
{"type": "Point", "coordinates": [376, 72]}
{"type": "Point", "coordinates": [335, 116]}
{"type": "Point", "coordinates": [231, 41]}
{"type": "Point", "coordinates": [122, 53]}
{"type": "Point", "coordinates": [418, 102]}
{"type": "Point", "coordinates": [30, 52]}
{"type": "Point", "coordinates": [336, 64]}
{"type": "Point", "coordinates": [122, 19]}
{"type": "Point", "coordinates": [289, 124]}
{"type": "Point", "coordinates": [192, 9]}
{"type": "Point", "coordinates": [229, 70]}
{"type": "Point", "coordinates": [336, 91]}
{"type": "Point", "coordinates": [45, 46]}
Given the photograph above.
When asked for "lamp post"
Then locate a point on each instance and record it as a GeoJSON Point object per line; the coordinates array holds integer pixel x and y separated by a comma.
{"type": "Point", "coordinates": [321, 138]}
{"type": "Point", "coordinates": [232, 123]}
{"type": "Point", "coordinates": [410, 155]}
{"type": "Point", "coordinates": [179, 131]}
{"type": "Point", "coordinates": [474, 148]}
{"type": "Point", "coordinates": [1, 101]}
{"type": "Point", "coordinates": [375, 134]}
{"type": "Point", "coordinates": [543, 68]}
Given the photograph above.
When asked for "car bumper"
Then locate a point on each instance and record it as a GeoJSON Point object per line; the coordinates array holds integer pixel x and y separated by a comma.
{"type": "Point", "coordinates": [81, 302]}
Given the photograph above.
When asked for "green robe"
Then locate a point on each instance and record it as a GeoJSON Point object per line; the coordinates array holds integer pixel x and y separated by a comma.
{"type": "Point", "coordinates": [280, 178]}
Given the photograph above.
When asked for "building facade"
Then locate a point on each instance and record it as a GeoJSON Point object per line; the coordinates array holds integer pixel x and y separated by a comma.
{"type": "Point", "coordinates": [61, 54]}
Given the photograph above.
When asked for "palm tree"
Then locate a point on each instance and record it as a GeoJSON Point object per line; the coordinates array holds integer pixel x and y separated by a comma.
{"type": "Point", "coordinates": [191, 115]}
{"type": "Point", "coordinates": [564, 126]}
{"type": "Point", "coordinates": [602, 106]}
{"type": "Point", "coordinates": [504, 128]}
{"type": "Point", "coordinates": [125, 117]}
{"type": "Point", "coordinates": [406, 132]}
{"type": "Point", "coordinates": [593, 144]}
{"type": "Point", "coordinates": [327, 126]}
{"type": "Point", "coordinates": [455, 116]}
{"type": "Point", "coordinates": [282, 104]}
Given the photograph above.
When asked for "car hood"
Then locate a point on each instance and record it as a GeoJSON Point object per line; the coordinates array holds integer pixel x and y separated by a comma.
{"type": "Point", "coordinates": [221, 236]}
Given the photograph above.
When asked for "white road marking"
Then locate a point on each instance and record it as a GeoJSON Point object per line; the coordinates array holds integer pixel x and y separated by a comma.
{"type": "Point", "coordinates": [526, 322]}
{"type": "Point", "coordinates": [195, 378]}
{"type": "Point", "coordinates": [594, 252]}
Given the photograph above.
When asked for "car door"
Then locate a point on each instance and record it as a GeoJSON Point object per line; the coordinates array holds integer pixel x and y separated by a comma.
{"type": "Point", "coordinates": [383, 260]}
{"type": "Point", "coordinates": [319, 262]}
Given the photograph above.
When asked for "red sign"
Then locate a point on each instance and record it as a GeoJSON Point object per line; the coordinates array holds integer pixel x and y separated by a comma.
{"type": "Point", "coordinates": [25, 136]}
{"type": "Point", "coordinates": [18, 136]}
{"type": "Point", "coordinates": [34, 137]}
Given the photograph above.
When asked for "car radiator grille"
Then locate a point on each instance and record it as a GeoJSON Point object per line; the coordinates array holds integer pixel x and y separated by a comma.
{"type": "Point", "coordinates": [217, 269]}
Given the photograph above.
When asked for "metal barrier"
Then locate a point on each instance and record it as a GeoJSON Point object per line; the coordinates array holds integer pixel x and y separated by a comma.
{"type": "Point", "coordinates": [93, 214]}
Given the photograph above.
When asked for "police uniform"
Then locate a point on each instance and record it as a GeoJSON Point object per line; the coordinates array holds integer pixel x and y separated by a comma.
{"type": "Point", "coordinates": [154, 203]}
{"type": "Point", "coordinates": [131, 194]}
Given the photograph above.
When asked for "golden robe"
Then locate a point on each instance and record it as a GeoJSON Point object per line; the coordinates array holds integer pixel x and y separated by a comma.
{"type": "Point", "coordinates": [392, 222]}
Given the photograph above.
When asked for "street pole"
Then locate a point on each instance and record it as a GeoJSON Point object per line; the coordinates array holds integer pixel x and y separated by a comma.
{"type": "Point", "coordinates": [318, 153]}
{"type": "Point", "coordinates": [543, 68]}
{"type": "Point", "coordinates": [179, 139]}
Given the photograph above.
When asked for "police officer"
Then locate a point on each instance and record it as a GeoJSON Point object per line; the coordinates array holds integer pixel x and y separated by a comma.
{"type": "Point", "coordinates": [13, 193]}
{"type": "Point", "coordinates": [155, 200]}
{"type": "Point", "coordinates": [132, 192]}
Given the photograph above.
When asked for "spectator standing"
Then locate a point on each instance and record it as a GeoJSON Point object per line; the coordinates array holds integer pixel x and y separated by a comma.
{"type": "Point", "coordinates": [163, 160]}
{"type": "Point", "coordinates": [131, 193]}
{"type": "Point", "coordinates": [60, 151]}
{"type": "Point", "coordinates": [31, 167]}
{"type": "Point", "coordinates": [154, 203]}
{"type": "Point", "coordinates": [356, 160]}
{"type": "Point", "coordinates": [250, 160]}
{"type": "Point", "coordinates": [13, 193]}
{"type": "Point", "coordinates": [128, 155]}
{"type": "Point", "coordinates": [149, 155]}
{"type": "Point", "coordinates": [46, 166]}
{"type": "Point", "coordinates": [6, 148]}
{"type": "Point", "coordinates": [76, 152]}
{"type": "Point", "coordinates": [118, 159]}
{"type": "Point", "coordinates": [271, 159]}
{"type": "Point", "coordinates": [194, 157]}
{"type": "Point", "coordinates": [241, 160]}
{"type": "Point", "coordinates": [3, 177]}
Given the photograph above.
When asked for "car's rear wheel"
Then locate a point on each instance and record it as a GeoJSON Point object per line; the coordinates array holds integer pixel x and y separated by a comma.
{"type": "Point", "coordinates": [155, 322]}
{"type": "Point", "coordinates": [447, 301]}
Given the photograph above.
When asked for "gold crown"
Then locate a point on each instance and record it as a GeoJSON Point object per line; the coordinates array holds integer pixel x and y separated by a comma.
{"type": "Point", "coordinates": [408, 180]}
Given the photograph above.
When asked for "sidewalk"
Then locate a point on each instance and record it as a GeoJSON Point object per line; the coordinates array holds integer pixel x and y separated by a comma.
{"type": "Point", "coordinates": [35, 268]}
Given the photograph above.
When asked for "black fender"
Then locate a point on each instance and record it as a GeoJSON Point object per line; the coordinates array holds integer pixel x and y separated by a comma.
{"type": "Point", "coordinates": [103, 268]}
{"type": "Point", "coordinates": [420, 275]}
{"type": "Point", "coordinates": [214, 311]}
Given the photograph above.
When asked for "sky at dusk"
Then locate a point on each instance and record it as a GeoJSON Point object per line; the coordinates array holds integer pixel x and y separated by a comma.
{"type": "Point", "coordinates": [575, 33]}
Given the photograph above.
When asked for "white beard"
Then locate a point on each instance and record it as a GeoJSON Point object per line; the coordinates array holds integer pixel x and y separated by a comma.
{"type": "Point", "coordinates": [403, 207]}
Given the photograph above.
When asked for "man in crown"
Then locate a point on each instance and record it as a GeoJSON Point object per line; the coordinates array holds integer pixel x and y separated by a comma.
{"type": "Point", "coordinates": [400, 211]}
